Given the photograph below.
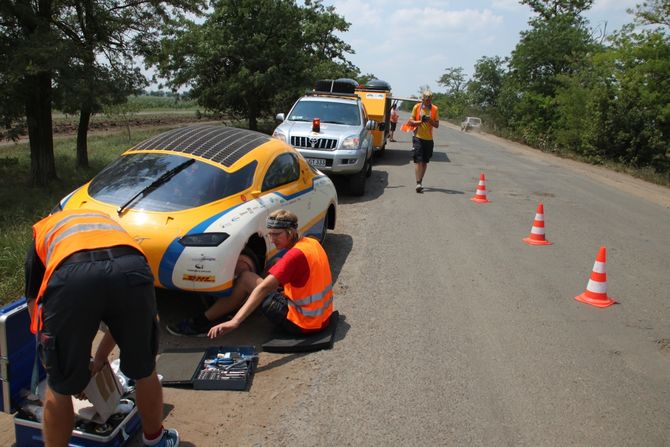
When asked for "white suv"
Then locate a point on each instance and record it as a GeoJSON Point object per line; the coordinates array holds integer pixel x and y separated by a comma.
{"type": "Point", "coordinates": [332, 131]}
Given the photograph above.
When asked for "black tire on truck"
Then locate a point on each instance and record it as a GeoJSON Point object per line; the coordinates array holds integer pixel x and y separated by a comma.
{"type": "Point", "coordinates": [357, 181]}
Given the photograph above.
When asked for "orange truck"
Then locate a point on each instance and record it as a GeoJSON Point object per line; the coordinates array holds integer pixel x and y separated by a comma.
{"type": "Point", "coordinates": [377, 100]}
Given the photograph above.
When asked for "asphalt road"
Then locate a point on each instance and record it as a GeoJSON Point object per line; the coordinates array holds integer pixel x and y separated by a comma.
{"type": "Point", "coordinates": [454, 331]}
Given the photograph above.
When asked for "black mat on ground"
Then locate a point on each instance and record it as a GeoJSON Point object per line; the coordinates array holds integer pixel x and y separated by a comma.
{"type": "Point", "coordinates": [283, 343]}
{"type": "Point", "coordinates": [178, 367]}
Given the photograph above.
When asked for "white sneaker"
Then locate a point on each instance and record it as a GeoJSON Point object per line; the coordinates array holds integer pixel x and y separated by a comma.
{"type": "Point", "coordinates": [419, 188]}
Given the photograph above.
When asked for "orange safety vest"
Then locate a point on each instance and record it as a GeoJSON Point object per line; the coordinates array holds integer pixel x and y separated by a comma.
{"type": "Point", "coordinates": [59, 235]}
{"type": "Point", "coordinates": [416, 115]}
{"type": "Point", "coordinates": [310, 306]}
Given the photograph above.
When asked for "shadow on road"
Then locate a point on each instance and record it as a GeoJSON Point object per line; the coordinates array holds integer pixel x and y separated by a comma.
{"type": "Point", "coordinates": [374, 188]}
{"type": "Point", "coordinates": [428, 189]}
{"type": "Point", "coordinates": [338, 247]}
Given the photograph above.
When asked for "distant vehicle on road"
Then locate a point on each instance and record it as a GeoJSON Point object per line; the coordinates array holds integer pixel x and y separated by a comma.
{"type": "Point", "coordinates": [471, 123]}
{"type": "Point", "coordinates": [197, 197]}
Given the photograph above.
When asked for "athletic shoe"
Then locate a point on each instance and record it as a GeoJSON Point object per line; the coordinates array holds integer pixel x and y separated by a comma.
{"type": "Point", "coordinates": [170, 438]}
{"type": "Point", "coordinates": [187, 328]}
{"type": "Point", "coordinates": [419, 188]}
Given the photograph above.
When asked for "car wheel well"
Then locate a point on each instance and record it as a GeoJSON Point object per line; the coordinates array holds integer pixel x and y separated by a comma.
{"type": "Point", "coordinates": [331, 217]}
{"type": "Point", "coordinates": [256, 245]}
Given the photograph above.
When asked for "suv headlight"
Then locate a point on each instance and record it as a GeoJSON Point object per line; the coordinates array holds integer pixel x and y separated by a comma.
{"type": "Point", "coordinates": [352, 142]}
{"type": "Point", "coordinates": [279, 135]}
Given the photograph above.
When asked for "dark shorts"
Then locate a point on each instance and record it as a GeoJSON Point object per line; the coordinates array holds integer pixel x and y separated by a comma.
{"type": "Point", "coordinates": [422, 150]}
{"type": "Point", "coordinates": [118, 292]}
{"type": "Point", "coordinates": [275, 309]}
{"type": "Point", "coordinates": [393, 126]}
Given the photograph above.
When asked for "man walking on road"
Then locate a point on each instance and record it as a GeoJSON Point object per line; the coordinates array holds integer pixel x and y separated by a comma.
{"type": "Point", "coordinates": [84, 269]}
{"type": "Point", "coordinates": [424, 117]}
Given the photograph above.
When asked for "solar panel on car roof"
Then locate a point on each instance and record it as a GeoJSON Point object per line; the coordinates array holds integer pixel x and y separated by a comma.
{"type": "Point", "coordinates": [221, 144]}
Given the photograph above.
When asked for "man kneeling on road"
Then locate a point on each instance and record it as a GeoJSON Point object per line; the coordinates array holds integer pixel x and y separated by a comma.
{"type": "Point", "coordinates": [306, 302]}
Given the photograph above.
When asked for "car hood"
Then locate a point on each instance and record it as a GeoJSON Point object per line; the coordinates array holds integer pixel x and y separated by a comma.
{"type": "Point", "coordinates": [154, 231]}
{"type": "Point", "coordinates": [302, 128]}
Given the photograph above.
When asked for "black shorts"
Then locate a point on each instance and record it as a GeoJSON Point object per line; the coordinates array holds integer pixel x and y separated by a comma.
{"type": "Point", "coordinates": [118, 292]}
{"type": "Point", "coordinates": [422, 150]}
{"type": "Point", "coordinates": [393, 125]}
{"type": "Point", "coordinates": [275, 309]}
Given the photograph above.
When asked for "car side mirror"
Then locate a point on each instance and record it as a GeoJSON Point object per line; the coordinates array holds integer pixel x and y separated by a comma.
{"type": "Point", "coordinates": [371, 125]}
{"type": "Point", "coordinates": [280, 117]}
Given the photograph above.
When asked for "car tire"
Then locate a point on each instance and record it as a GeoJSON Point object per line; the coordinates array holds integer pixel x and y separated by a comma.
{"type": "Point", "coordinates": [357, 181]}
{"type": "Point", "coordinates": [254, 258]}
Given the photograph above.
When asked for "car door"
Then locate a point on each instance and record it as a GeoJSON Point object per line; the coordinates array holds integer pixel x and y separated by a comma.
{"type": "Point", "coordinates": [285, 180]}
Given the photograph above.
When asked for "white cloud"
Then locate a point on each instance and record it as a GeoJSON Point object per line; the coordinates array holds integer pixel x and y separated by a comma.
{"type": "Point", "coordinates": [600, 6]}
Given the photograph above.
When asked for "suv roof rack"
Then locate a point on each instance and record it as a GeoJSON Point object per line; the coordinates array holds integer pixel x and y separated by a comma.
{"type": "Point", "coordinates": [342, 85]}
{"type": "Point", "coordinates": [334, 95]}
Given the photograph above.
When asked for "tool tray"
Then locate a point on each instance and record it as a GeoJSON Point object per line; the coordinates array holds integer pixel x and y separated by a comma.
{"type": "Point", "coordinates": [216, 368]}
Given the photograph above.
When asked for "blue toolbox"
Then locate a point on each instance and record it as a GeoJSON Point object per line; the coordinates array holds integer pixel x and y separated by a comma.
{"type": "Point", "coordinates": [17, 358]}
{"type": "Point", "coordinates": [216, 368]}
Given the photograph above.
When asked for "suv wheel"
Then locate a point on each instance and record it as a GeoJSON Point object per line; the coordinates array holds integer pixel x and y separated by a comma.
{"type": "Point", "coordinates": [357, 181]}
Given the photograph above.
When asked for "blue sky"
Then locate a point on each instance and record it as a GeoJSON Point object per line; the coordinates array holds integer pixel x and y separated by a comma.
{"type": "Point", "coordinates": [410, 44]}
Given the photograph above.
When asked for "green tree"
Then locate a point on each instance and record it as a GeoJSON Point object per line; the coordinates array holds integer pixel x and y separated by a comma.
{"type": "Point", "coordinates": [556, 45]}
{"type": "Point", "coordinates": [105, 37]}
{"type": "Point", "coordinates": [32, 52]}
{"type": "Point", "coordinates": [453, 79]}
{"type": "Point", "coordinates": [251, 56]}
{"type": "Point", "coordinates": [453, 103]}
{"type": "Point", "coordinates": [49, 43]}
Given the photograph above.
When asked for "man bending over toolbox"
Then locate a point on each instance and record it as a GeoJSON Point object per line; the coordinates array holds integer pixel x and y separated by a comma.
{"type": "Point", "coordinates": [83, 269]}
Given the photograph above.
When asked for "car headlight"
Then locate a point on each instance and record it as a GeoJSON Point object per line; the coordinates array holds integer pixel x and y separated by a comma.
{"type": "Point", "coordinates": [279, 135]}
{"type": "Point", "coordinates": [203, 239]}
{"type": "Point", "coordinates": [351, 143]}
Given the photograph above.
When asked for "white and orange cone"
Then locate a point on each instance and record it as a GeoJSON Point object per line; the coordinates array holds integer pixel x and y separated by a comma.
{"type": "Point", "coordinates": [536, 236]}
{"type": "Point", "coordinates": [480, 193]}
{"type": "Point", "coordinates": [596, 289]}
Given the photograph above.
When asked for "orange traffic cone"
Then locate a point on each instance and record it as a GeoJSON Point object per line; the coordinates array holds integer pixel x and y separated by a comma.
{"type": "Point", "coordinates": [480, 193]}
{"type": "Point", "coordinates": [596, 289]}
{"type": "Point", "coordinates": [536, 236]}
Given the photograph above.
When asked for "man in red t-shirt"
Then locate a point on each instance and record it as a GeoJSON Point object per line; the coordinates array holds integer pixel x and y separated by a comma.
{"type": "Point", "coordinates": [306, 302]}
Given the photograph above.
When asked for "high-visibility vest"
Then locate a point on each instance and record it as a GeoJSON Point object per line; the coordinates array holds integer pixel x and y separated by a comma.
{"type": "Point", "coordinates": [416, 116]}
{"type": "Point", "coordinates": [310, 306]}
{"type": "Point", "coordinates": [61, 234]}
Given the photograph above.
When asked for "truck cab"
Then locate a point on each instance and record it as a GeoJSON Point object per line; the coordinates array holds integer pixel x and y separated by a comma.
{"type": "Point", "coordinates": [376, 97]}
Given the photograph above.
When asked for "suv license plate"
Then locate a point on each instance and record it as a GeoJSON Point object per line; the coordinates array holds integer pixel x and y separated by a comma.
{"type": "Point", "coordinates": [318, 162]}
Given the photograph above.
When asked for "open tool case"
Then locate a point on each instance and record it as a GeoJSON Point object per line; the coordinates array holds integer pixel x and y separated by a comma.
{"type": "Point", "coordinates": [216, 368]}
{"type": "Point", "coordinates": [17, 356]}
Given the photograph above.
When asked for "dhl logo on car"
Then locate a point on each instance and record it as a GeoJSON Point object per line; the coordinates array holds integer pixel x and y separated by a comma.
{"type": "Point", "coordinates": [199, 278]}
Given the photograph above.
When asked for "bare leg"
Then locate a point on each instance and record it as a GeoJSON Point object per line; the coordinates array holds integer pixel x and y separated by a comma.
{"type": "Point", "coordinates": [245, 283]}
{"type": "Point", "coordinates": [149, 396]}
{"type": "Point", "coordinates": [58, 419]}
{"type": "Point", "coordinates": [419, 171]}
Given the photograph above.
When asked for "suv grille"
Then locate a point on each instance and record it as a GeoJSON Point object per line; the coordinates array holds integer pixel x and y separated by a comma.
{"type": "Point", "coordinates": [314, 143]}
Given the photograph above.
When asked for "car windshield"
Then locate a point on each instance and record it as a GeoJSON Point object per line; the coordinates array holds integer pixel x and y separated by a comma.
{"type": "Point", "coordinates": [327, 111]}
{"type": "Point", "coordinates": [195, 184]}
{"type": "Point", "coordinates": [474, 121]}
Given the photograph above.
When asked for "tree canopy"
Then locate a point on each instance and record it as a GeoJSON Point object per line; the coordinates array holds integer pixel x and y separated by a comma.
{"type": "Point", "coordinates": [251, 57]}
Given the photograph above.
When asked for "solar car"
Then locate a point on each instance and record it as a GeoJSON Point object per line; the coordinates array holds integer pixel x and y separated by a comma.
{"type": "Point", "coordinates": [196, 198]}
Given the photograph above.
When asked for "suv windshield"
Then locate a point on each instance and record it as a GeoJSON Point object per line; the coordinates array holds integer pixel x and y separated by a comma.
{"type": "Point", "coordinates": [328, 112]}
{"type": "Point", "coordinates": [194, 185]}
